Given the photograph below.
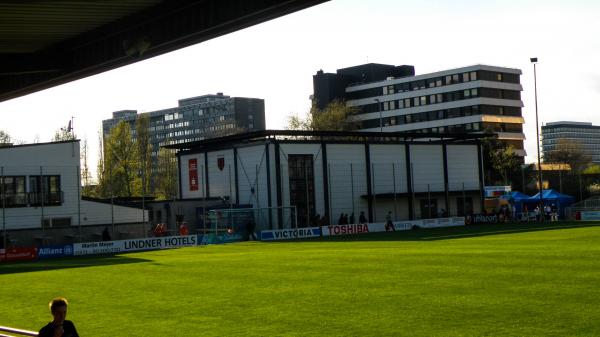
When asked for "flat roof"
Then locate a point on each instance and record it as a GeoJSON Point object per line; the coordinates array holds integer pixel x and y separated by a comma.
{"type": "Point", "coordinates": [328, 136]}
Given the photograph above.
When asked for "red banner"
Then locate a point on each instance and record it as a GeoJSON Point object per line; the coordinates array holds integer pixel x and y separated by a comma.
{"type": "Point", "coordinates": [193, 169]}
{"type": "Point", "coordinates": [18, 254]}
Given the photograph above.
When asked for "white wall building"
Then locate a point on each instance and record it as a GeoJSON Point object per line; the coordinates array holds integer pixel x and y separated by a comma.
{"type": "Point", "coordinates": [40, 195]}
{"type": "Point", "coordinates": [415, 176]}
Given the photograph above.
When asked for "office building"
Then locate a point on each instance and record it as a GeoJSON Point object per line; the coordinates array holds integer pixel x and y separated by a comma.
{"type": "Point", "coordinates": [196, 118]}
{"type": "Point", "coordinates": [392, 98]}
{"type": "Point", "coordinates": [585, 135]}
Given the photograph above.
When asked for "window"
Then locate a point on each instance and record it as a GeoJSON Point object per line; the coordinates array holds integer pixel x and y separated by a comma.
{"type": "Point", "coordinates": [448, 80]}
{"type": "Point", "coordinates": [438, 82]}
{"type": "Point", "coordinates": [465, 77]}
{"type": "Point", "coordinates": [474, 92]}
{"type": "Point", "coordinates": [400, 104]}
{"type": "Point", "coordinates": [455, 78]}
{"type": "Point", "coordinates": [61, 222]}
{"type": "Point", "coordinates": [440, 98]}
{"type": "Point", "coordinates": [499, 77]}
{"type": "Point", "coordinates": [423, 100]}
{"type": "Point", "coordinates": [432, 99]}
{"type": "Point", "coordinates": [45, 189]}
{"type": "Point", "coordinates": [473, 76]}
{"type": "Point", "coordinates": [416, 101]}
{"type": "Point", "coordinates": [14, 191]}
{"type": "Point", "coordinates": [408, 118]}
{"type": "Point", "coordinates": [407, 102]}
{"type": "Point", "coordinates": [467, 93]}
{"type": "Point", "coordinates": [302, 191]}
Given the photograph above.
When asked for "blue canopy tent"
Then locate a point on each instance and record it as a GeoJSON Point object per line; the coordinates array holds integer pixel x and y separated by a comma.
{"type": "Point", "coordinates": [516, 198]}
{"type": "Point", "coordinates": [551, 197]}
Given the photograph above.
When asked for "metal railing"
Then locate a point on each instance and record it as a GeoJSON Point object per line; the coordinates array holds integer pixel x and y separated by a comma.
{"type": "Point", "coordinates": [16, 332]}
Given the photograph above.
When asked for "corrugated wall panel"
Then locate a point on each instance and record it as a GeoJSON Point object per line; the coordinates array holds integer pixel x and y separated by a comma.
{"type": "Point", "coordinates": [427, 166]}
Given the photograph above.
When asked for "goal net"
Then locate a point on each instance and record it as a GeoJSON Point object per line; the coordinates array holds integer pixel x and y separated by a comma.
{"type": "Point", "coordinates": [238, 224]}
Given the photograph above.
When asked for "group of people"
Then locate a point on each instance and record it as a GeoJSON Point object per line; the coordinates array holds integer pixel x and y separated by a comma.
{"type": "Point", "coordinates": [344, 219]}
{"type": "Point", "coordinates": [543, 213]}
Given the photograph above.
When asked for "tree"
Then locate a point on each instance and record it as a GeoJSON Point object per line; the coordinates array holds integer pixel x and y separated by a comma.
{"type": "Point", "coordinates": [120, 162]}
{"type": "Point", "coordinates": [336, 116]}
{"type": "Point", "coordinates": [144, 151]}
{"type": "Point", "coordinates": [166, 175]}
{"type": "Point", "coordinates": [569, 152]}
{"type": "Point", "coordinates": [86, 178]}
{"type": "Point", "coordinates": [500, 160]}
{"type": "Point", "coordinates": [64, 134]}
{"type": "Point", "coordinates": [5, 139]}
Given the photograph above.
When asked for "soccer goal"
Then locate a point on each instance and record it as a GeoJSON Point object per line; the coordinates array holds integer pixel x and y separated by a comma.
{"type": "Point", "coordinates": [239, 222]}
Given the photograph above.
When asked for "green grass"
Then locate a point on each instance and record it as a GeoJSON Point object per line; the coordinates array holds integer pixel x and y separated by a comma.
{"type": "Point", "coordinates": [496, 280]}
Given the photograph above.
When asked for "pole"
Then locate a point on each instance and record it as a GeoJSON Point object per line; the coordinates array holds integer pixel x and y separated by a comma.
{"type": "Point", "coordinates": [537, 132]}
{"type": "Point", "coordinates": [203, 200]}
{"type": "Point", "coordinates": [79, 201]}
{"type": "Point", "coordinates": [374, 198]}
{"type": "Point", "coordinates": [394, 179]}
{"type": "Point", "coordinates": [307, 197]}
{"type": "Point", "coordinates": [144, 199]}
{"type": "Point", "coordinates": [352, 187]}
{"type": "Point", "coordinates": [42, 199]}
{"type": "Point", "coordinates": [464, 200]}
{"type": "Point", "coordinates": [3, 210]}
{"type": "Point", "coordinates": [412, 182]}
{"type": "Point", "coordinates": [328, 218]}
{"type": "Point", "coordinates": [429, 200]}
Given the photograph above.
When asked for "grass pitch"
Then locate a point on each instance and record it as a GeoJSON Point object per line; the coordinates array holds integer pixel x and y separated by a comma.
{"type": "Point", "coordinates": [495, 280]}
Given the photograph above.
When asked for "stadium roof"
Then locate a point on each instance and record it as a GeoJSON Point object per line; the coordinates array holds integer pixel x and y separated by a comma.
{"type": "Point", "coordinates": [46, 43]}
{"type": "Point", "coordinates": [328, 136]}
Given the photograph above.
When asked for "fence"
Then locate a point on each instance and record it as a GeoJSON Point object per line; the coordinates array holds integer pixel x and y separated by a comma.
{"type": "Point", "coordinates": [16, 332]}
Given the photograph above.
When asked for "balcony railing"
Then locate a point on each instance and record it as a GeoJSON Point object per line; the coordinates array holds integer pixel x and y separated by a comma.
{"type": "Point", "coordinates": [32, 199]}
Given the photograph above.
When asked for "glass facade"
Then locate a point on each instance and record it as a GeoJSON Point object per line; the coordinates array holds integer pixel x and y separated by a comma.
{"type": "Point", "coordinates": [586, 135]}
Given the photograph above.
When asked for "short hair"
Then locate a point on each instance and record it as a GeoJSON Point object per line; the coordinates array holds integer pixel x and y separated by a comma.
{"type": "Point", "coordinates": [58, 302]}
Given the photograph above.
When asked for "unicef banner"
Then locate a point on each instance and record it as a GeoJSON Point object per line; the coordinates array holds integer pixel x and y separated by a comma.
{"type": "Point", "coordinates": [122, 246]}
{"type": "Point", "coordinates": [287, 234]}
{"type": "Point", "coordinates": [45, 252]}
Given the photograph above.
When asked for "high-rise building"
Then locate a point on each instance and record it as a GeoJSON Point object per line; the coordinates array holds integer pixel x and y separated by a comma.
{"type": "Point", "coordinates": [196, 118]}
{"type": "Point", "coordinates": [392, 98]}
{"type": "Point", "coordinates": [585, 135]}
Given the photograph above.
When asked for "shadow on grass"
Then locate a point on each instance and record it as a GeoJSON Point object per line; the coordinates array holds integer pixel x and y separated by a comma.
{"type": "Point", "coordinates": [433, 234]}
{"type": "Point", "coordinates": [66, 263]}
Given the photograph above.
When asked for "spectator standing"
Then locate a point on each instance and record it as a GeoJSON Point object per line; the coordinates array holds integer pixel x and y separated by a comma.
{"type": "Point", "coordinates": [59, 327]}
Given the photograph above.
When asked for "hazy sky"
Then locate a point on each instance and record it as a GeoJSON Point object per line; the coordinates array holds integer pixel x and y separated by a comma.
{"type": "Point", "coordinates": [276, 60]}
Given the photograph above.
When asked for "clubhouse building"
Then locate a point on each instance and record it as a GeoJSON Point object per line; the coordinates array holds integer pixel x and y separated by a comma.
{"type": "Point", "coordinates": [326, 174]}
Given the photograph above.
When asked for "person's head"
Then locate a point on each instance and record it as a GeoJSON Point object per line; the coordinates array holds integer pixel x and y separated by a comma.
{"type": "Point", "coordinates": [58, 308]}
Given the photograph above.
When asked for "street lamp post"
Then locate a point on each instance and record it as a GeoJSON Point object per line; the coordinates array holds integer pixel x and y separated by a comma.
{"type": "Point", "coordinates": [537, 134]}
{"type": "Point", "coordinates": [380, 117]}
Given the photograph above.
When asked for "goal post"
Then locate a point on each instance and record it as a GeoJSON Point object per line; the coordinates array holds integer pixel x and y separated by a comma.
{"type": "Point", "coordinates": [235, 224]}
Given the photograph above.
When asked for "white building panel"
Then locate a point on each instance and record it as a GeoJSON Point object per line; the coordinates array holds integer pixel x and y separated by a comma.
{"type": "Point", "coordinates": [252, 175]}
{"type": "Point", "coordinates": [463, 169]}
{"type": "Point", "coordinates": [427, 167]}
{"type": "Point", "coordinates": [388, 168]}
{"type": "Point", "coordinates": [221, 180]}
{"type": "Point", "coordinates": [348, 179]}
{"type": "Point", "coordinates": [187, 161]}
{"type": "Point", "coordinates": [96, 213]}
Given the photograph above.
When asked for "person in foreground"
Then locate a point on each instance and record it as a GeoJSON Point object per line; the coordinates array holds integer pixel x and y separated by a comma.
{"type": "Point", "coordinates": [59, 327]}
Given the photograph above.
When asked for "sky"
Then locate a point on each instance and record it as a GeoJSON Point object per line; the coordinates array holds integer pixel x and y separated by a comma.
{"type": "Point", "coordinates": [276, 60]}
